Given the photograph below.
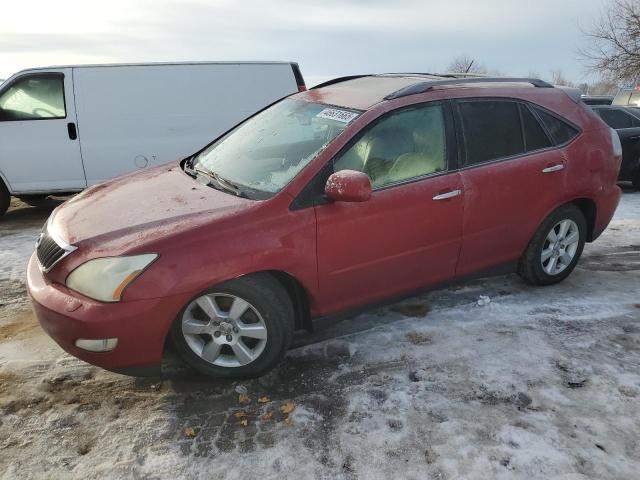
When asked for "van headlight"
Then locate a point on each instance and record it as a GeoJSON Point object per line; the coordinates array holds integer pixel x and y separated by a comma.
{"type": "Point", "coordinates": [106, 278]}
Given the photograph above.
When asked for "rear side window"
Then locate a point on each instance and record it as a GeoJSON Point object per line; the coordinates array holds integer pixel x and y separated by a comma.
{"type": "Point", "coordinates": [617, 118]}
{"type": "Point", "coordinates": [535, 137]}
{"type": "Point", "coordinates": [560, 131]}
{"type": "Point", "coordinates": [491, 130]}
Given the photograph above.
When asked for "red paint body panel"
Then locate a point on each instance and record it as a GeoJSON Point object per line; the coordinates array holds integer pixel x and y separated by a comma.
{"type": "Point", "coordinates": [140, 325]}
{"type": "Point", "coordinates": [345, 255]}
{"type": "Point", "coordinates": [504, 203]}
{"type": "Point", "coordinates": [396, 242]}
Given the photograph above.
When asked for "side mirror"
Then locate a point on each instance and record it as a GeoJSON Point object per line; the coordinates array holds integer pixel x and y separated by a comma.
{"type": "Point", "coordinates": [348, 186]}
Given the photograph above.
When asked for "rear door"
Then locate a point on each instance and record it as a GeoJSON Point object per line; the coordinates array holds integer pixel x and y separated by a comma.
{"type": "Point", "coordinates": [408, 234]}
{"type": "Point", "coordinates": [39, 148]}
{"type": "Point", "coordinates": [512, 175]}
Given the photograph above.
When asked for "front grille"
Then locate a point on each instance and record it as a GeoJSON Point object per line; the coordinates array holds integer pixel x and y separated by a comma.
{"type": "Point", "coordinates": [49, 251]}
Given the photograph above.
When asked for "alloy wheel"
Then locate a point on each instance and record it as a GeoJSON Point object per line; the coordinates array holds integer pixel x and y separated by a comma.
{"type": "Point", "coordinates": [224, 330]}
{"type": "Point", "coordinates": [560, 246]}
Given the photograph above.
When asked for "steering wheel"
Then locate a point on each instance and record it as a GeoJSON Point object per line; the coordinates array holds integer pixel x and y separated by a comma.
{"type": "Point", "coordinates": [36, 110]}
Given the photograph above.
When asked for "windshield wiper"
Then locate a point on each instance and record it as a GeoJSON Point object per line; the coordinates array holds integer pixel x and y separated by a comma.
{"type": "Point", "coordinates": [220, 183]}
{"type": "Point", "coordinates": [188, 168]}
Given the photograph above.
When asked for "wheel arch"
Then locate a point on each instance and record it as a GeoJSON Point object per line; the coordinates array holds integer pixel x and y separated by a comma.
{"type": "Point", "coordinates": [299, 297]}
{"type": "Point", "coordinates": [588, 208]}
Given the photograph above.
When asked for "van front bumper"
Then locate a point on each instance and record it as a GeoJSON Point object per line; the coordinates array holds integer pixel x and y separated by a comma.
{"type": "Point", "coordinates": [139, 326]}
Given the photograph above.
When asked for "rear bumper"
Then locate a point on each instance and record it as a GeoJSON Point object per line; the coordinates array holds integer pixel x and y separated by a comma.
{"type": "Point", "coordinates": [605, 209]}
{"type": "Point", "coordinates": [140, 326]}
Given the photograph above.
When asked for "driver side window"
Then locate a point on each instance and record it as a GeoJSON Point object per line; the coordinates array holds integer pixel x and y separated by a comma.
{"type": "Point", "coordinates": [33, 98]}
{"type": "Point", "coordinates": [406, 144]}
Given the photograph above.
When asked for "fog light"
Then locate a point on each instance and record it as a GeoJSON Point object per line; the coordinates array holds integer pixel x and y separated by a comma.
{"type": "Point", "coordinates": [100, 345]}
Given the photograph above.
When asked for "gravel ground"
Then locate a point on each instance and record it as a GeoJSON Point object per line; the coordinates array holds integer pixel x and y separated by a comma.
{"type": "Point", "coordinates": [537, 383]}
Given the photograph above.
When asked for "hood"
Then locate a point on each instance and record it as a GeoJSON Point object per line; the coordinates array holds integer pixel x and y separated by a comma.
{"type": "Point", "coordinates": [129, 211]}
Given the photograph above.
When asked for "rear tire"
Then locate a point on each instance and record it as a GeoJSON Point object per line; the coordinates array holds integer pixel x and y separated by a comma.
{"type": "Point", "coordinates": [636, 181]}
{"type": "Point", "coordinates": [213, 338]}
{"type": "Point", "coordinates": [5, 198]}
{"type": "Point", "coordinates": [555, 249]}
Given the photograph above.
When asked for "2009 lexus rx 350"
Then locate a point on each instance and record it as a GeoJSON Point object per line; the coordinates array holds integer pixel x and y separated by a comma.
{"type": "Point", "coordinates": [361, 190]}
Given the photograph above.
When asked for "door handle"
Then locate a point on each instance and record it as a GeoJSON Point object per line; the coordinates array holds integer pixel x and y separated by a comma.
{"type": "Point", "coordinates": [446, 195]}
{"type": "Point", "coordinates": [71, 129]}
{"type": "Point", "coordinates": [554, 168]}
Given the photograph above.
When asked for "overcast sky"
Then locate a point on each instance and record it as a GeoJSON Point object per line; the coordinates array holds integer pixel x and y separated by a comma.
{"type": "Point", "coordinates": [327, 37]}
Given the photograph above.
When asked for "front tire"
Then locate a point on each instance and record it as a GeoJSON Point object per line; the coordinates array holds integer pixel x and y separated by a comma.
{"type": "Point", "coordinates": [239, 329]}
{"type": "Point", "coordinates": [555, 249]}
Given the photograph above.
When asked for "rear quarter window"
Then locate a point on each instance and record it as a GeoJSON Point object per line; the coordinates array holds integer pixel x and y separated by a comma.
{"type": "Point", "coordinates": [535, 138]}
{"type": "Point", "coordinates": [559, 130]}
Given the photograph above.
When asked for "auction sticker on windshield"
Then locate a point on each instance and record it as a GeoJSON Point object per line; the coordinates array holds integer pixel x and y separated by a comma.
{"type": "Point", "coordinates": [343, 116]}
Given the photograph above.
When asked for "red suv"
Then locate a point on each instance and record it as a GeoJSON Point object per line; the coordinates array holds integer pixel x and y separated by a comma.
{"type": "Point", "coordinates": [360, 190]}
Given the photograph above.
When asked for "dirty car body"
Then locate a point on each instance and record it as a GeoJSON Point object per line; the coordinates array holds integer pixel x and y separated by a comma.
{"type": "Point", "coordinates": [390, 186]}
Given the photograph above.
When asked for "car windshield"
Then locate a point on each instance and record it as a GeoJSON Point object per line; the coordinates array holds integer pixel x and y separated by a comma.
{"type": "Point", "coordinates": [267, 151]}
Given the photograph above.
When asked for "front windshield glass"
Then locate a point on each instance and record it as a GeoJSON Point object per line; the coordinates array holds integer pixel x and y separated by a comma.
{"type": "Point", "coordinates": [268, 150]}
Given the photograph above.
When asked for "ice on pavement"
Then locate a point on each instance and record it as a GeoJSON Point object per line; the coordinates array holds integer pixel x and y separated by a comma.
{"type": "Point", "coordinates": [538, 383]}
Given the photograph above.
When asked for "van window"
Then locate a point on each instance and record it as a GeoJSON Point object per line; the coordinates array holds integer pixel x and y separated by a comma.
{"type": "Point", "coordinates": [560, 131]}
{"type": "Point", "coordinates": [406, 144]}
{"type": "Point", "coordinates": [34, 97]}
{"type": "Point", "coordinates": [491, 130]}
{"type": "Point", "coordinates": [535, 137]}
{"type": "Point", "coordinates": [617, 118]}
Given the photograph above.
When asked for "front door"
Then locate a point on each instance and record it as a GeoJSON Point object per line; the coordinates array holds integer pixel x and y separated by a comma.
{"type": "Point", "coordinates": [39, 146]}
{"type": "Point", "coordinates": [407, 235]}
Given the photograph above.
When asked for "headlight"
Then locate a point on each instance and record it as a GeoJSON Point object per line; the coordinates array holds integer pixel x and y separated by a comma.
{"type": "Point", "coordinates": [106, 278]}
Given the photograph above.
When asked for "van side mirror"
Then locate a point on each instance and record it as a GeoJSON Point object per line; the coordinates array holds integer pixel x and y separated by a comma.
{"type": "Point", "coordinates": [348, 186]}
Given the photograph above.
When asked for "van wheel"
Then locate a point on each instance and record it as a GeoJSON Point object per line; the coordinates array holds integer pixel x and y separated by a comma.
{"type": "Point", "coordinates": [239, 329]}
{"type": "Point", "coordinates": [5, 198]}
{"type": "Point", "coordinates": [555, 248]}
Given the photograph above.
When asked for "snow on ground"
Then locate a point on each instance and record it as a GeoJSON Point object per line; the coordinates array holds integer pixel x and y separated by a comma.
{"type": "Point", "coordinates": [538, 383]}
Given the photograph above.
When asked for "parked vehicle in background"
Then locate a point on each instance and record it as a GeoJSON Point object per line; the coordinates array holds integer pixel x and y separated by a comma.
{"type": "Point", "coordinates": [628, 96]}
{"type": "Point", "coordinates": [597, 99]}
{"type": "Point", "coordinates": [361, 190]}
{"type": "Point", "coordinates": [63, 129]}
{"type": "Point", "coordinates": [626, 121]}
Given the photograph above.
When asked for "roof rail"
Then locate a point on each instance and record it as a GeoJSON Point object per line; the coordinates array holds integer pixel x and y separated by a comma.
{"type": "Point", "coordinates": [333, 81]}
{"type": "Point", "coordinates": [428, 85]}
{"type": "Point", "coordinates": [338, 80]}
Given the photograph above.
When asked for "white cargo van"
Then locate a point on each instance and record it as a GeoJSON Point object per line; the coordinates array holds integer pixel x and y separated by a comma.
{"type": "Point", "coordinates": [63, 129]}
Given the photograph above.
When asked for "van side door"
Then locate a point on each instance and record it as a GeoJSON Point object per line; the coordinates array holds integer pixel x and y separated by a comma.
{"type": "Point", "coordinates": [39, 145]}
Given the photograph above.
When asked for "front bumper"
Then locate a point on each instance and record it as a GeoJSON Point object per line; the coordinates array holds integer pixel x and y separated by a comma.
{"type": "Point", "coordinates": [140, 326]}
